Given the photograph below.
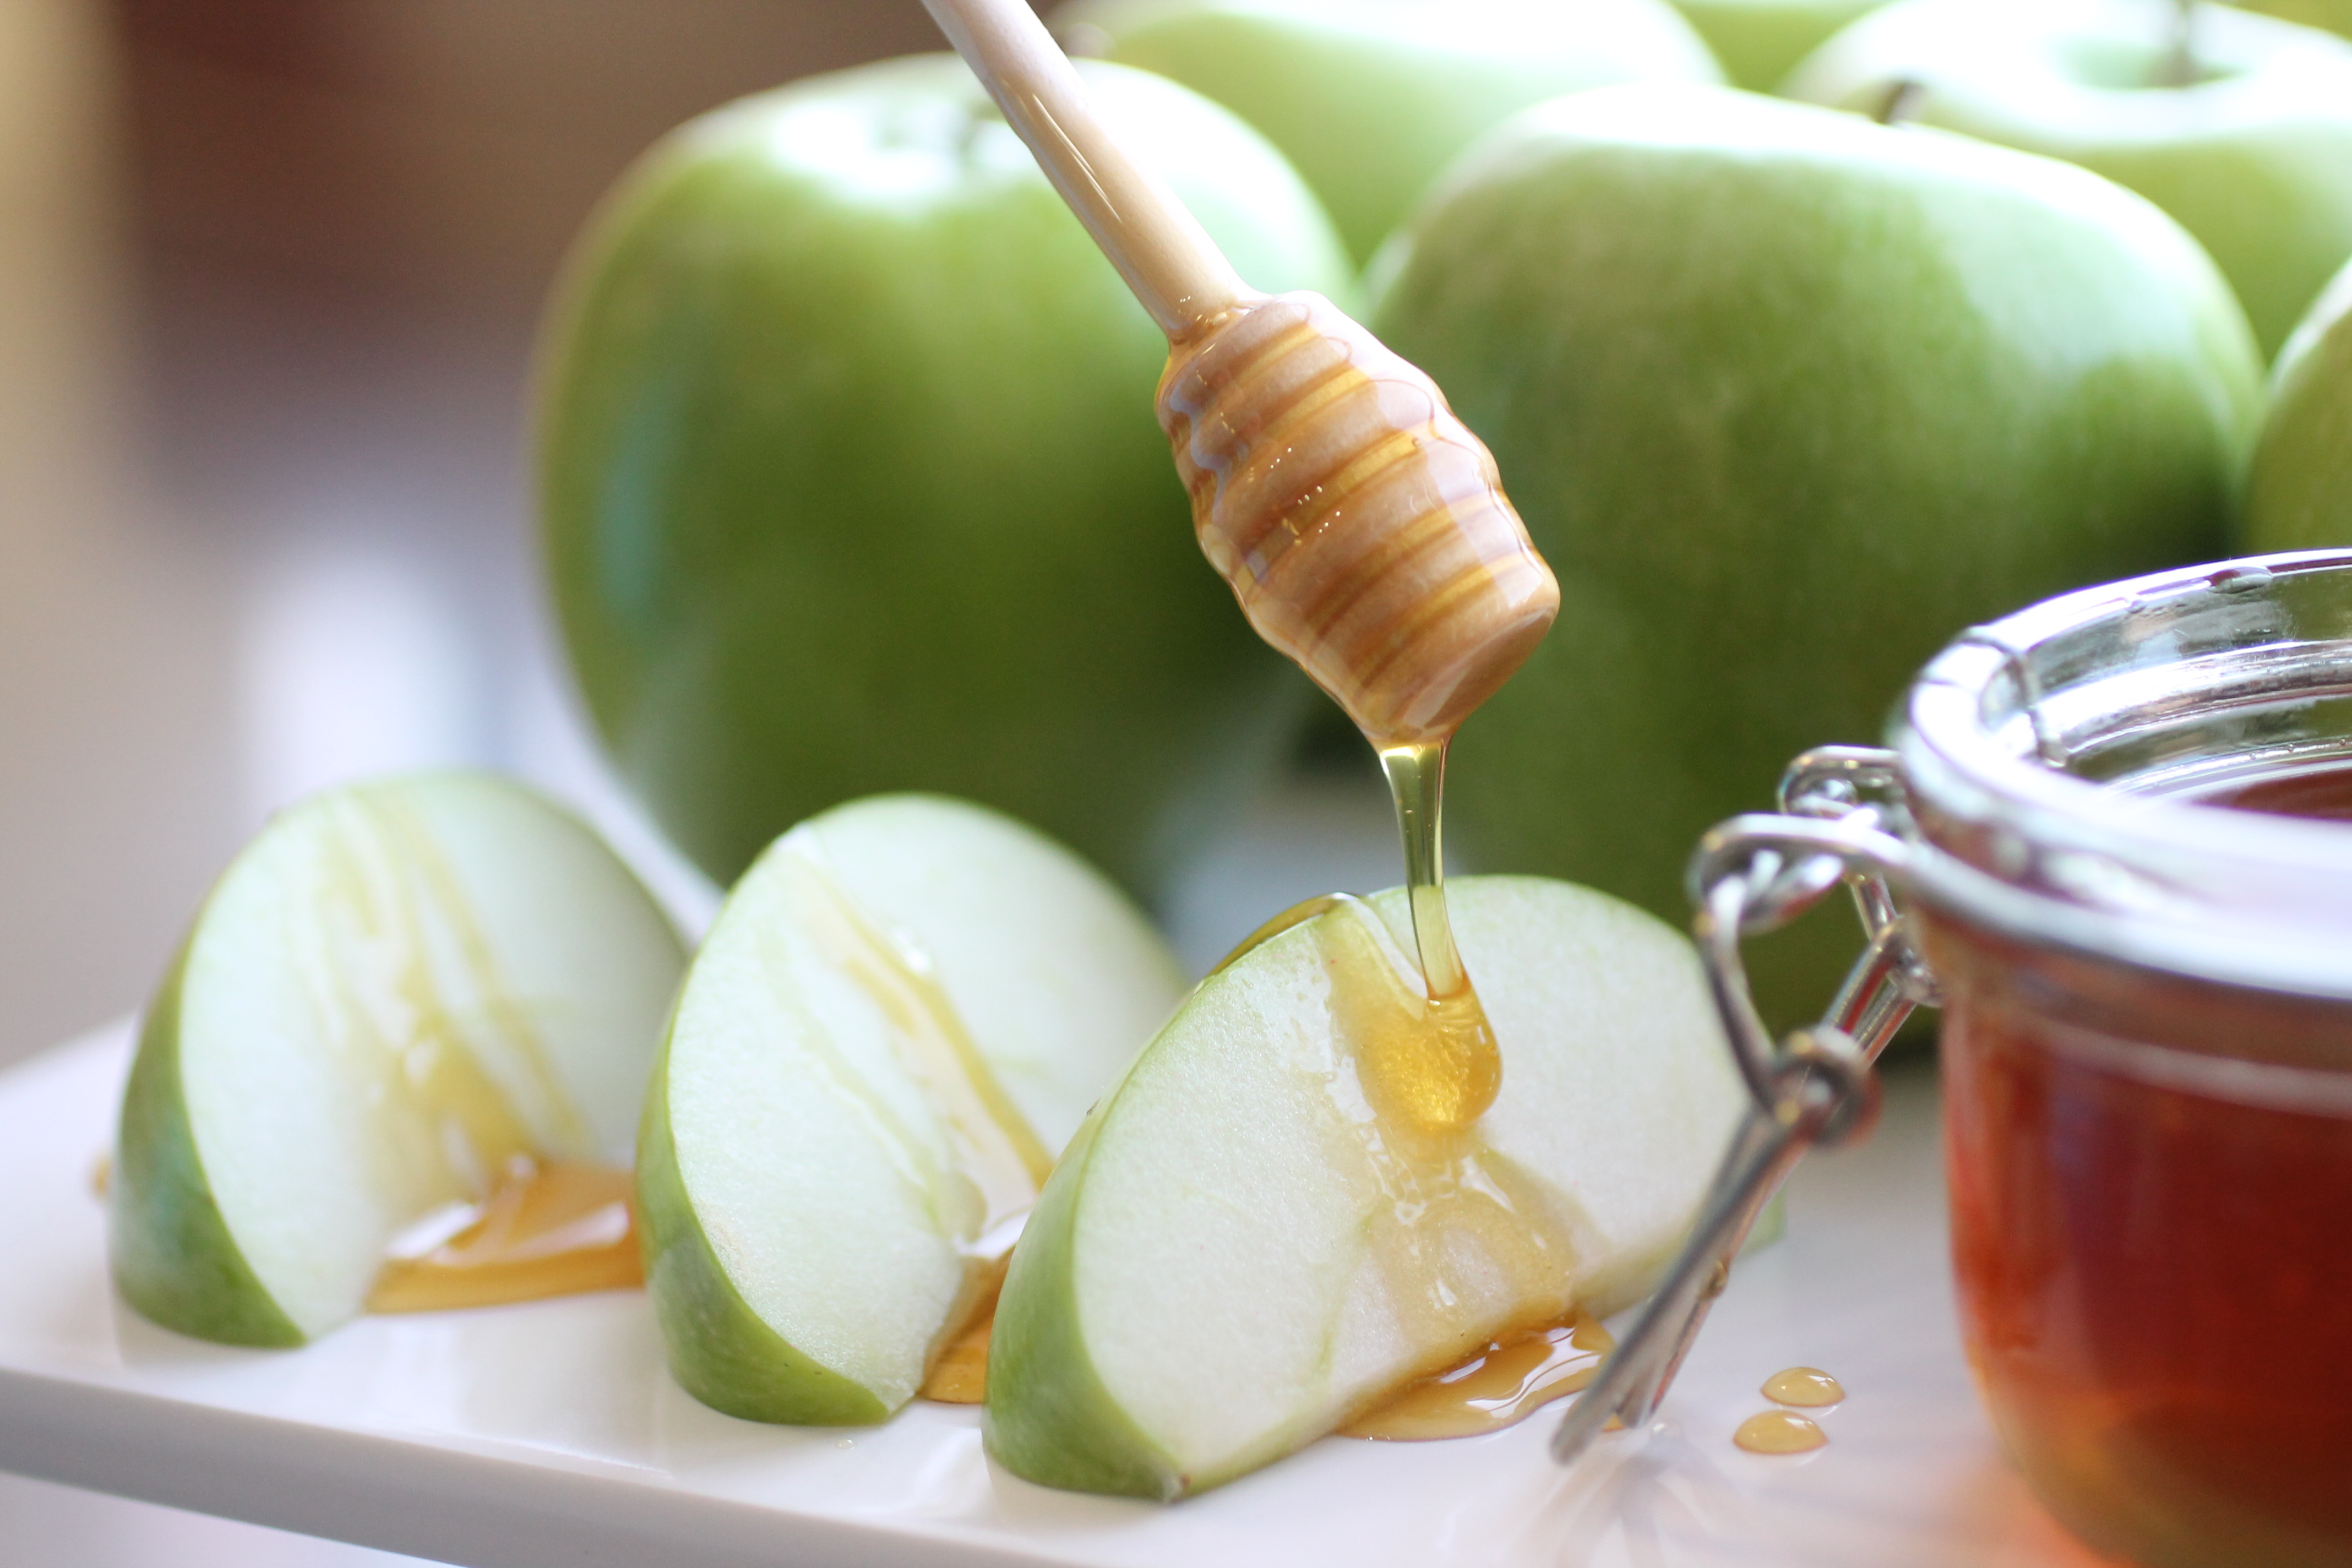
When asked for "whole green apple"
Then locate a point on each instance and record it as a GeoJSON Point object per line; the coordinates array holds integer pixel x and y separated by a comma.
{"type": "Point", "coordinates": [2299, 489]}
{"type": "Point", "coordinates": [2253, 155]}
{"type": "Point", "coordinates": [2336, 15]}
{"type": "Point", "coordinates": [849, 477]}
{"type": "Point", "coordinates": [1760, 41]}
{"type": "Point", "coordinates": [1371, 99]}
{"type": "Point", "coordinates": [1787, 398]}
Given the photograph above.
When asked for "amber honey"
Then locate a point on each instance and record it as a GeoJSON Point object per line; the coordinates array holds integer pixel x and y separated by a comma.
{"type": "Point", "coordinates": [1806, 1387]}
{"type": "Point", "coordinates": [549, 1228]}
{"type": "Point", "coordinates": [960, 1376]}
{"type": "Point", "coordinates": [1779, 1432]}
{"type": "Point", "coordinates": [2150, 1186]}
{"type": "Point", "coordinates": [1454, 1070]}
{"type": "Point", "coordinates": [2324, 794]}
{"type": "Point", "coordinates": [1499, 1385]}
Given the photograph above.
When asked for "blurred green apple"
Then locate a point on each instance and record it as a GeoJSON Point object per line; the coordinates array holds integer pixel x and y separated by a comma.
{"type": "Point", "coordinates": [396, 988]}
{"type": "Point", "coordinates": [2253, 156]}
{"type": "Point", "coordinates": [1237, 1253]}
{"type": "Point", "coordinates": [2336, 15]}
{"type": "Point", "coordinates": [1371, 99]}
{"type": "Point", "coordinates": [850, 482]}
{"type": "Point", "coordinates": [1760, 41]}
{"type": "Point", "coordinates": [2299, 489]}
{"type": "Point", "coordinates": [1788, 398]}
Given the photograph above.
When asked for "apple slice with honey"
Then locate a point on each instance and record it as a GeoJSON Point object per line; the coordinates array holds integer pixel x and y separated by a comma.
{"type": "Point", "coordinates": [400, 1000]}
{"type": "Point", "coordinates": [1255, 1241]}
{"type": "Point", "coordinates": [900, 1014]}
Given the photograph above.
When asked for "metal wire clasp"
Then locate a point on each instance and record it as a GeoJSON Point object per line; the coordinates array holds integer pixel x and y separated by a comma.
{"type": "Point", "coordinates": [1751, 875]}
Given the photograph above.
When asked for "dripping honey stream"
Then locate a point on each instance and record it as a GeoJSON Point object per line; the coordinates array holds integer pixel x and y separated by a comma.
{"type": "Point", "coordinates": [1453, 1071]}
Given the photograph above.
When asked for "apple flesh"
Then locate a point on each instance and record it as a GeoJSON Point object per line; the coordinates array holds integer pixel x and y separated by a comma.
{"type": "Point", "coordinates": [849, 479]}
{"type": "Point", "coordinates": [1221, 1268]}
{"type": "Point", "coordinates": [2254, 157]}
{"type": "Point", "coordinates": [899, 1016]}
{"type": "Point", "coordinates": [1788, 399]}
{"type": "Point", "coordinates": [2299, 489]}
{"type": "Point", "coordinates": [393, 988]}
{"type": "Point", "coordinates": [1371, 99]}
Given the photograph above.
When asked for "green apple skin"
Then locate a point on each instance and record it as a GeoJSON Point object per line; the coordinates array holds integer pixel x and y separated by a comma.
{"type": "Point", "coordinates": [1760, 41]}
{"type": "Point", "coordinates": [2333, 15]}
{"type": "Point", "coordinates": [2255, 161]}
{"type": "Point", "coordinates": [1788, 399]}
{"type": "Point", "coordinates": [722, 1352]}
{"type": "Point", "coordinates": [849, 479]}
{"type": "Point", "coordinates": [172, 1256]}
{"type": "Point", "coordinates": [2299, 488]}
{"type": "Point", "coordinates": [197, 1243]}
{"type": "Point", "coordinates": [1202, 1200]}
{"type": "Point", "coordinates": [1371, 99]}
{"type": "Point", "coordinates": [1049, 1418]}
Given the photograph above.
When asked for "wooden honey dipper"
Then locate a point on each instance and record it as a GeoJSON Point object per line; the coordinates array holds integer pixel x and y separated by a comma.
{"type": "Point", "coordinates": [1361, 524]}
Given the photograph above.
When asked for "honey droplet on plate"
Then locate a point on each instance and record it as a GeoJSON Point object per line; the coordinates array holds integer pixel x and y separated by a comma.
{"type": "Point", "coordinates": [1779, 1432]}
{"type": "Point", "coordinates": [1808, 1387]}
{"type": "Point", "coordinates": [1498, 1385]}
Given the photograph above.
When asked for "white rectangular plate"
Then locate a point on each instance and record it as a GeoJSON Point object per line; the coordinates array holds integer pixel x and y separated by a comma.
{"type": "Point", "coordinates": [548, 1435]}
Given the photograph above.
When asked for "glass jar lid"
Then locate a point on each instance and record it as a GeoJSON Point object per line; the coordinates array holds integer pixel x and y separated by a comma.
{"type": "Point", "coordinates": [2051, 763]}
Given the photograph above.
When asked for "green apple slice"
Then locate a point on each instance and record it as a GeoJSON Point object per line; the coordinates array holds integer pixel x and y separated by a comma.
{"type": "Point", "coordinates": [1237, 1253]}
{"type": "Point", "coordinates": [900, 1014]}
{"type": "Point", "coordinates": [394, 988]}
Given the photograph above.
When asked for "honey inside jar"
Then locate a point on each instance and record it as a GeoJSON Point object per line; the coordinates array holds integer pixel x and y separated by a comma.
{"type": "Point", "coordinates": [2127, 863]}
{"type": "Point", "coordinates": [2324, 793]}
{"type": "Point", "coordinates": [2149, 1241]}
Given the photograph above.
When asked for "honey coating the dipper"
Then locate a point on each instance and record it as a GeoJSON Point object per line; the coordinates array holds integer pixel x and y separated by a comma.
{"type": "Point", "coordinates": [1361, 524]}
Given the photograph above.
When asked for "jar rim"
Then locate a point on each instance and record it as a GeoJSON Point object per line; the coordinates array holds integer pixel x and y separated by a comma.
{"type": "Point", "coordinates": [2037, 751]}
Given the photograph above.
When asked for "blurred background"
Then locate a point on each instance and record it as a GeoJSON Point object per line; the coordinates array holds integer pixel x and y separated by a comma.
{"type": "Point", "coordinates": [269, 271]}
{"type": "Point", "coordinates": [269, 276]}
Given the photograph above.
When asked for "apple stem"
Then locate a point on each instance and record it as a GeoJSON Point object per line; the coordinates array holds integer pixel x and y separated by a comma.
{"type": "Point", "coordinates": [2179, 67]}
{"type": "Point", "coordinates": [1901, 103]}
{"type": "Point", "coordinates": [1168, 260]}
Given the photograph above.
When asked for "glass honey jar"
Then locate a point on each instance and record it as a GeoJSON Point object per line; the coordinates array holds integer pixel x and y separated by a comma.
{"type": "Point", "coordinates": [2111, 837]}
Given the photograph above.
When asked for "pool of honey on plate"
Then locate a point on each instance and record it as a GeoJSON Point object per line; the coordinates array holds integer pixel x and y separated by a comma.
{"type": "Point", "coordinates": [548, 1228]}
{"type": "Point", "coordinates": [1498, 1385]}
{"type": "Point", "coordinates": [2151, 1199]}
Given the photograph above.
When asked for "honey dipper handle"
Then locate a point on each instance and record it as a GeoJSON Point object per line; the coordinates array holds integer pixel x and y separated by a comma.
{"type": "Point", "coordinates": [1158, 246]}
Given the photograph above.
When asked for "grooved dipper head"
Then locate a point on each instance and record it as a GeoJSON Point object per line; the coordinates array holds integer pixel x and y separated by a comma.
{"type": "Point", "coordinates": [1361, 524]}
